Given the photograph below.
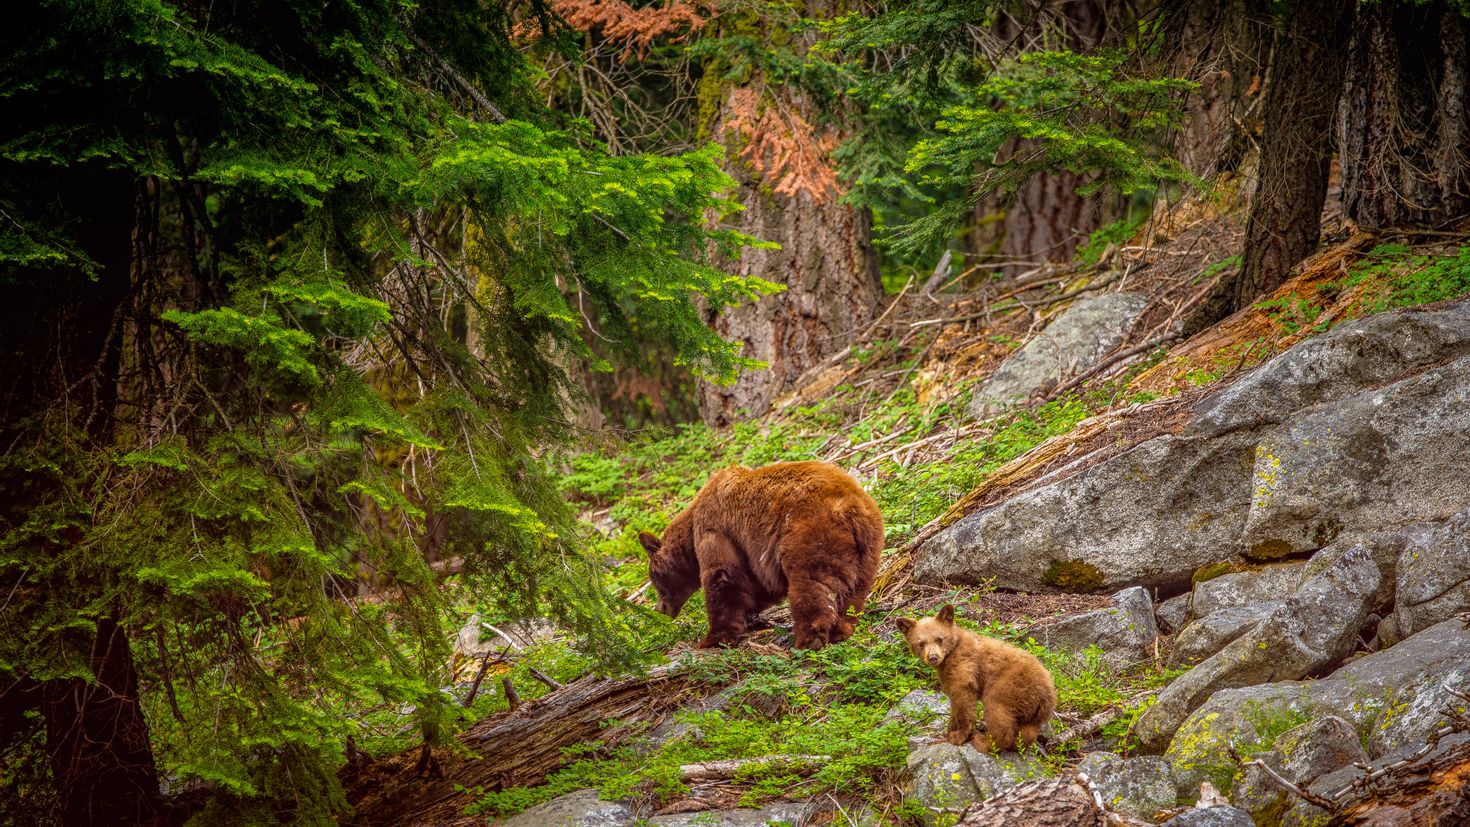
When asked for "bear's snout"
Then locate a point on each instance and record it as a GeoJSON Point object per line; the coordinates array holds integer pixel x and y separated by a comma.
{"type": "Point", "coordinates": [933, 658]}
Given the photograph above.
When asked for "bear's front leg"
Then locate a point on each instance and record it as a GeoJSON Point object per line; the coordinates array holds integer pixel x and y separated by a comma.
{"type": "Point", "coordinates": [961, 714]}
{"type": "Point", "coordinates": [728, 601]}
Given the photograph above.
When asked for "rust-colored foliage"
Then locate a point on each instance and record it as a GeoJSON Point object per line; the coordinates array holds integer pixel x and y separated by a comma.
{"type": "Point", "coordinates": [781, 145]}
{"type": "Point", "coordinates": [636, 29]}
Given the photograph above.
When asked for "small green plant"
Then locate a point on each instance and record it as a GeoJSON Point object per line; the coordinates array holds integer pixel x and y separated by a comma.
{"type": "Point", "coordinates": [1116, 232]}
{"type": "Point", "coordinates": [1392, 276]}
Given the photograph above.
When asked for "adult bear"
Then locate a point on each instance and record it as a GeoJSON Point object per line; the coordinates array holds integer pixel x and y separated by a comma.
{"type": "Point", "coordinates": [752, 537]}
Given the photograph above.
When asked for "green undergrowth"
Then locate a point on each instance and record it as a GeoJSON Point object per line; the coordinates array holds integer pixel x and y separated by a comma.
{"type": "Point", "coordinates": [644, 482]}
{"type": "Point", "coordinates": [1387, 277]}
{"type": "Point", "coordinates": [790, 706]}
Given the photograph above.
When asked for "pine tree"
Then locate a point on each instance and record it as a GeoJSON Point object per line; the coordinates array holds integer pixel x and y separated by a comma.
{"type": "Point", "coordinates": [289, 282]}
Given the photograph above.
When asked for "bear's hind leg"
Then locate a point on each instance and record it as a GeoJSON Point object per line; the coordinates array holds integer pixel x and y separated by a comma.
{"type": "Point", "coordinates": [1000, 728]}
{"type": "Point", "coordinates": [1028, 735]}
{"type": "Point", "coordinates": [813, 613]}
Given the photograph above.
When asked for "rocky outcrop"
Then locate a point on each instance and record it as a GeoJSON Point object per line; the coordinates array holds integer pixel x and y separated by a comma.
{"type": "Point", "coordinates": [788, 813]}
{"type": "Point", "coordinates": [1211, 817]}
{"type": "Point", "coordinates": [1362, 429]}
{"type": "Point", "coordinates": [1124, 633]}
{"type": "Point", "coordinates": [1137, 787]}
{"type": "Point", "coordinates": [1246, 588]}
{"type": "Point", "coordinates": [579, 809]}
{"type": "Point", "coordinates": [944, 778]}
{"type": "Point", "coordinates": [1301, 755]}
{"type": "Point", "coordinates": [1071, 344]}
{"type": "Point", "coordinates": [1391, 698]}
{"type": "Point", "coordinates": [1434, 574]}
{"type": "Point", "coordinates": [1208, 635]}
{"type": "Point", "coordinates": [1312, 630]}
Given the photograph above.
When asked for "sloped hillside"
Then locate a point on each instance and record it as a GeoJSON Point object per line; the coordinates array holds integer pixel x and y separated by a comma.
{"type": "Point", "coordinates": [1241, 553]}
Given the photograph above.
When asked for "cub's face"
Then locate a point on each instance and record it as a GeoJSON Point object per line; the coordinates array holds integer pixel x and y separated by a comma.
{"type": "Point", "coordinates": [672, 569]}
{"type": "Point", "coordinates": [931, 639]}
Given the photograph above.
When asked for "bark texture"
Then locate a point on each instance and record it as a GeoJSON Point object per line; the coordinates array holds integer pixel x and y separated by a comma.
{"type": "Point", "coordinates": [1046, 220]}
{"type": "Point", "coordinates": [1406, 116]}
{"type": "Point", "coordinates": [830, 270]}
{"type": "Point", "coordinates": [1296, 149]}
{"type": "Point", "coordinates": [515, 748]}
{"type": "Point", "coordinates": [97, 739]}
{"type": "Point", "coordinates": [1225, 47]}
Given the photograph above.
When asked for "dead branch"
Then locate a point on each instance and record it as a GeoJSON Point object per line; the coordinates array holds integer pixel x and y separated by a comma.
{"type": "Point", "coordinates": [1286, 784]}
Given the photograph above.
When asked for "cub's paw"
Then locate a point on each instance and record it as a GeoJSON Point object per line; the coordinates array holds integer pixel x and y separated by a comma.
{"type": "Point", "coordinates": [958, 737]}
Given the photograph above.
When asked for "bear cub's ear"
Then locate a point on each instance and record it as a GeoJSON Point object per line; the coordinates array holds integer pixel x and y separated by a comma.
{"type": "Point", "coordinates": [904, 624]}
{"type": "Point", "coordinates": [650, 542]}
{"type": "Point", "coordinates": [946, 614]}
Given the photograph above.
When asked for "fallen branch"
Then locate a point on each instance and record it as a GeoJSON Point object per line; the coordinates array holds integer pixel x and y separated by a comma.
{"type": "Point", "coordinates": [730, 768]}
{"type": "Point", "coordinates": [485, 664]}
{"type": "Point", "coordinates": [1286, 784]}
{"type": "Point", "coordinates": [551, 683]}
{"type": "Point", "coordinates": [1102, 366]}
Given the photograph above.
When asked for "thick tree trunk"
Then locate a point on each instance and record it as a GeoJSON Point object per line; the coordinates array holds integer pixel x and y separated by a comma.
{"type": "Point", "coordinates": [1296, 149]}
{"type": "Point", "coordinates": [1406, 116]}
{"type": "Point", "coordinates": [97, 740]}
{"type": "Point", "coordinates": [1225, 48]}
{"type": "Point", "coordinates": [1045, 220]}
{"type": "Point", "coordinates": [830, 270]}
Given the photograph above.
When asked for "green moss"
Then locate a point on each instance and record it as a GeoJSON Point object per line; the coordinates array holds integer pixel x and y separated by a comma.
{"type": "Point", "coordinates": [1210, 571]}
{"type": "Point", "coordinates": [1269, 550]}
{"type": "Point", "coordinates": [1073, 576]}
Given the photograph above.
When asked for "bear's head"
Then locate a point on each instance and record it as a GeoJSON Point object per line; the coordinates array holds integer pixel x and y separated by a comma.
{"type": "Point", "coordinates": [673, 567]}
{"type": "Point", "coordinates": [931, 638]}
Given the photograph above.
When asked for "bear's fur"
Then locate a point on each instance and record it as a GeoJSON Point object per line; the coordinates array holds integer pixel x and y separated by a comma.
{"type": "Point", "coordinates": [752, 537]}
{"type": "Point", "coordinates": [1017, 691]}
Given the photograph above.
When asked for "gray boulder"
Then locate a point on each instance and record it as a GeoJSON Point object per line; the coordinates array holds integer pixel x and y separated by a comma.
{"type": "Point", "coordinates": [1301, 755]}
{"type": "Point", "coordinates": [1137, 787]}
{"type": "Point", "coordinates": [1392, 699]}
{"type": "Point", "coordinates": [1434, 575]}
{"type": "Point", "coordinates": [1364, 353]}
{"type": "Point", "coordinates": [1246, 588]}
{"type": "Point", "coordinates": [1209, 634]}
{"type": "Point", "coordinates": [1071, 344]}
{"type": "Point", "coordinates": [790, 813]}
{"type": "Point", "coordinates": [1379, 458]}
{"type": "Point", "coordinates": [1172, 614]}
{"type": "Point", "coordinates": [1125, 632]}
{"type": "Point", "coordinates": [944, 778]}
{"type": "Point", "coordinates": [1148, 517]}
{"type": "Point", "coordinates": [1315, 628]}
{"type": "Point", "coordinates": [1211, 817]}
{"type": "Point", "coordinates": [579, 809]}
{"type": "Point", "coordinates": [1352, 432]}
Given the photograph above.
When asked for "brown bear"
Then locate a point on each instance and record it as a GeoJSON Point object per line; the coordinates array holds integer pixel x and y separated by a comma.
{"type": "Point", "coordinates": [752, 537]}
{"type": "Point", "coordinates": [1017, 691]}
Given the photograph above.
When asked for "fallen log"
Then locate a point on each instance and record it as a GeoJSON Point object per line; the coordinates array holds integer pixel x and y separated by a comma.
{"type": "Point", "coordinates": [515, 748]}
{"type": "Point", "coordinates": [732, 767]}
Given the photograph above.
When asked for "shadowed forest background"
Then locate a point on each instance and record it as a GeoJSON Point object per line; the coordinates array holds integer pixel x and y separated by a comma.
{"type": "Point", "coordinates": [349, 345]}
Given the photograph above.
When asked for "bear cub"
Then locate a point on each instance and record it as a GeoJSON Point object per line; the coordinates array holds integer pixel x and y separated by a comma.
{"type": "Point", "coordinates": [1017, 691]}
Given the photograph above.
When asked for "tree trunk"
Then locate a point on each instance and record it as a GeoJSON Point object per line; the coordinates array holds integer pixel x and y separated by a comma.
{"type": "Point", "coordinates": [97, 740]}
{"type": "Point", "coordinates": [830, 270]}
{"type": "Point", "coordinates": [1225, 48]}
{"type": "Point", "coordinates": [1296, 149]}
{"type": "Point", "coordinates": [1405, 120]}
{"type": "Point", "coordinates": [1045, 220]}
{"type": "Point", "coordinates": [519, 747]}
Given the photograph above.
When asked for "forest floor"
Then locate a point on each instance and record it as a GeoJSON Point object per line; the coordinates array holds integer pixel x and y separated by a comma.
{"type": "Point", "coordinates": [893, 410]}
